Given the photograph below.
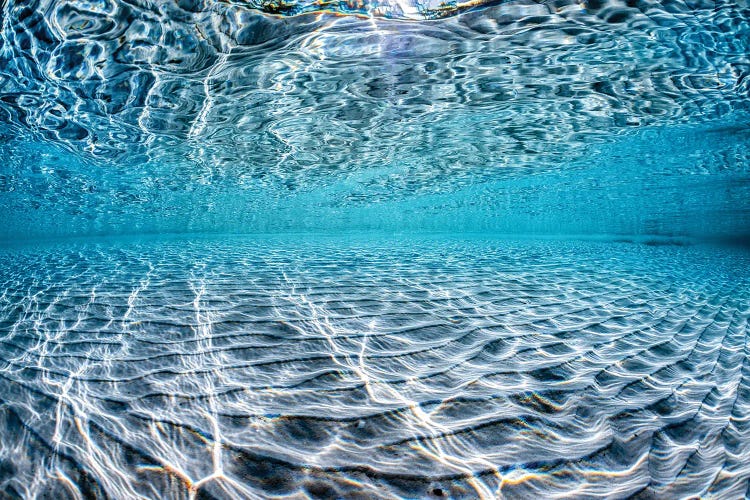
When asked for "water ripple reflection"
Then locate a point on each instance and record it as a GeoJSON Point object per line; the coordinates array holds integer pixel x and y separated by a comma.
{"type": "Point", "coordinates": [113, 111]}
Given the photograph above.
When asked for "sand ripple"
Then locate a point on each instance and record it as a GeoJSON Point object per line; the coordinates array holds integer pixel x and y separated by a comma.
{"type": "Point", "coordinates": [244, 368]}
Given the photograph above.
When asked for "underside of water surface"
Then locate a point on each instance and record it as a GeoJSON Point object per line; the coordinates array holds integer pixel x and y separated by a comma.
{"type": "Point", "coordinates": [374, 249]}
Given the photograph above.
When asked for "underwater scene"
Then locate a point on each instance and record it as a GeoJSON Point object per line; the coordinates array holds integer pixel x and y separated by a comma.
{"type": "Point", "coordinates": [376, 249]}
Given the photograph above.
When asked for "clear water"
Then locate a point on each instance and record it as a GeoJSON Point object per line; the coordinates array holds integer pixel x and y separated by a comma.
{"type": "Point", "coordinates": [374, 249]}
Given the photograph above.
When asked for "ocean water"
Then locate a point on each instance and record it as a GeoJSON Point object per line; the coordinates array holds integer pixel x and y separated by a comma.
{"type": "Point", "coordinates": [374, 249]}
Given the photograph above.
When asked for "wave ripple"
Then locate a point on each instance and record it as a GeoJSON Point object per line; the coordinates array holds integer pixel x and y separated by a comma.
{"type": "Point", "coordinates": [246, 368]}
{"type": "Point", "coordinates": [213, 116]}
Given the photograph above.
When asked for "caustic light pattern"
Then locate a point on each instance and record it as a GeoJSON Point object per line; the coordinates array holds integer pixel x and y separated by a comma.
{"type": "Point", "coordinates": [475, 368]}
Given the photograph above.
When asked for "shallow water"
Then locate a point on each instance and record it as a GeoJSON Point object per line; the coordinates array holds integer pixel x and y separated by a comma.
{"type": "Point", "coordinates": [242, 367]}
{"type": "Point", "coordinates": [374, 249]}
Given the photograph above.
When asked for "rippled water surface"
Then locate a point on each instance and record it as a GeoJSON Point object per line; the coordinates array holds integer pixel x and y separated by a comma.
{"type": "Point", "coordinates": [374, 249]}
{"type": "Point", "coordinates": [619, 117]}
{"type": "Point", "coordinates": [374, 369]}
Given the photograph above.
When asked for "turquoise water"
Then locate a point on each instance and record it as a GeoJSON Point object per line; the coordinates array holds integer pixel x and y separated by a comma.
{"type": "Point", "coordinates": [374, 367]}
{"type": "Point", "coordinates": [374, 249]}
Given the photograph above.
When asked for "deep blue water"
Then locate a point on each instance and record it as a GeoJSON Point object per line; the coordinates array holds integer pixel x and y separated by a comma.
{"type": "Point", "coordinates": [376, 249]}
